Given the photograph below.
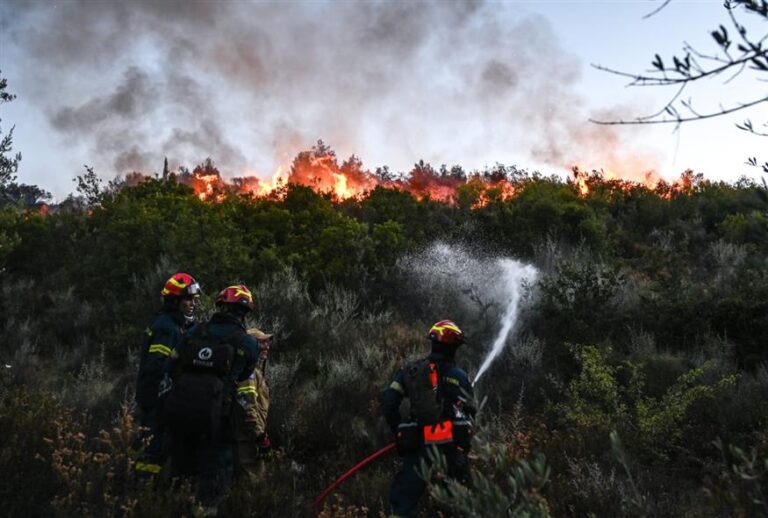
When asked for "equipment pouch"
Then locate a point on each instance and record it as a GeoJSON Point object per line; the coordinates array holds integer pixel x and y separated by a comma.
{"type": "Point", "coordinates": [409, 438]}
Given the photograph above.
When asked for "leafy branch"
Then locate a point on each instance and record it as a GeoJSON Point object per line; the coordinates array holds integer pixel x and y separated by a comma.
{"type": "Point", "coordinates": [9, 163]}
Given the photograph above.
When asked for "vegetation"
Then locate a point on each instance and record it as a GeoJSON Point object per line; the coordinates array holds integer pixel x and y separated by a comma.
{"type": "Point", "coordinates": [634, 384]}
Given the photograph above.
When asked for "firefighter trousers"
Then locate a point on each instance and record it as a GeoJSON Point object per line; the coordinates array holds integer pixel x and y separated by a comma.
{"type": "Point", "coordinates": [407, 486]}
{"type": "Point", "coordinates": [151, 442]}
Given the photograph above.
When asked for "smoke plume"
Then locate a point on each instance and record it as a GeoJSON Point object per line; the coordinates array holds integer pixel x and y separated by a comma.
{"type": "Point", "coordinates": [251, 84]}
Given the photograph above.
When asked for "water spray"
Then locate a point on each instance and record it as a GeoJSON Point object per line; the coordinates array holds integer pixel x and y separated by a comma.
{"type": "Point", "coordinates": [480, 286]}
{"type": "Point", "coordinates": [516, 275]}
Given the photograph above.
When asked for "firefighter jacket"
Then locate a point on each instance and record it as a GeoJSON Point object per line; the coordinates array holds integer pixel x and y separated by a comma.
{"type": "Point", "coordinates": [253, 398]}
{"type": "Point", "coordinates": [455, 384]}
{"type": "Point", "coordinates": [162, 337]}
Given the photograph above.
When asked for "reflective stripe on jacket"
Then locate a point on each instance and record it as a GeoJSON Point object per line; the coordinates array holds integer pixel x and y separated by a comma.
{"type": "Point", "coordinates": [161, 338]}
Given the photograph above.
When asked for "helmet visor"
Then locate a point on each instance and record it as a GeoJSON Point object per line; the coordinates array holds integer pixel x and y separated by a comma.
{"type": "Point", "coordinates": [193, 290]}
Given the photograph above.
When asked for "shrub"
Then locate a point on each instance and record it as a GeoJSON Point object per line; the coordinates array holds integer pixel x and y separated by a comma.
{"type": "Point", "coordinates": [740, 486]}
{"type": "Point", "coordinates": [27, 417]}
{"type": "Point", "coordinates": [498, 484]}
{"type": "Point", "coordinates": [662, 423]}
{"type": "Point", "coordinates": [593, 399]}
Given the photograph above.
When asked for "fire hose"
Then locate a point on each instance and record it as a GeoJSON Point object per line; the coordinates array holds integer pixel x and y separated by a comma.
{"type": "Point", "coordinates": [357, 467]}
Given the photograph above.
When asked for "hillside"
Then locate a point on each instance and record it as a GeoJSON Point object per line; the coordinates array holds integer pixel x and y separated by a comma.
{"type": "Point", "coordinates": [633, 382]}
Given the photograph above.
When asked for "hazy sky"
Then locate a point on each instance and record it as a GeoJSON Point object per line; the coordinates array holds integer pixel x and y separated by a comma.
{"type": "Point", "coordinates": [120, 85]}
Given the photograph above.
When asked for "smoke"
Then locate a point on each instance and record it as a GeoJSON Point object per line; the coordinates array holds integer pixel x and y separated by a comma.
{"type": "Point", "coordinates": [482, 294]}
{"type": "Point", "coordinates": [251, 84]}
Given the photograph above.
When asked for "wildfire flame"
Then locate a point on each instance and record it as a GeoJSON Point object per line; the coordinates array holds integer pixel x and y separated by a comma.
{"type": "Point", "coordinates": [319, 169]}
{"type": "Point", "coordinates": [206, 185]}
{"type": "Point", "coordinates": [341, 187]}
{"type": "Point", "coordinates": [585, 182]}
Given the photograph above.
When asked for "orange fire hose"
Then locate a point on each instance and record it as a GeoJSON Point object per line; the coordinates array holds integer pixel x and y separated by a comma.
{"type": "Point", "coordinates": [369, 459]}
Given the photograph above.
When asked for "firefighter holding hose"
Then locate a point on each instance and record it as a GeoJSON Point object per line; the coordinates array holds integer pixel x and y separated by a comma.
{"type": "Point", "coordinates": [440, 396]}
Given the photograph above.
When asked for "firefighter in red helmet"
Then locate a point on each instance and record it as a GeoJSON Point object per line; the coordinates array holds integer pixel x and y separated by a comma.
{"type": "Point", "coordinates": [179, 296]}
{"type": "Point", "coordinates": [441, 398]}
{"type": "Point", "coordinates": [212, 359]}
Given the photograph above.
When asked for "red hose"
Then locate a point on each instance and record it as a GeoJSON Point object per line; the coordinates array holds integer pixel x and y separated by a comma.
{"type": "Point", "coordinates": [369, 459]}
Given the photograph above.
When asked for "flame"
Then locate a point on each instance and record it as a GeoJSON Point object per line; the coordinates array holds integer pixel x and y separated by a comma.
{"type": "Point", "coordinates": [615, 180]}
{"type": "Point", "coordinates": [341, 188]}
{"type": "Point", "coordinates": [501, 189]}
{"type": "Point", "coordinates": [325, 176]}
{"type": "Point", "coordinates": [207, 185]}
{"type": "Point", "coordinates": [262, 188]}
{"type": "Point", "coordinates": [586, 182]}
{"type": "Point", "coordinates": [319, 169]}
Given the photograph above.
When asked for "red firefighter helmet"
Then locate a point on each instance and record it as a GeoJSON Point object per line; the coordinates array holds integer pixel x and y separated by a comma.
{"type": "Point", "coordinates": [446, 332]}
{"type": "Point", "coordinates": [238, 294]}
{"type": "Point", "coordinates": [181, 285]}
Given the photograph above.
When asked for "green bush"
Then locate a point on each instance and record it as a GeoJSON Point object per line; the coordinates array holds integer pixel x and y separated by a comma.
{"type": "Point", "coordinates": [740, 486]}
{"type": "Point", "coordinates": [498, 484]}
{"type": "Point", "coordinates": [28, 419]}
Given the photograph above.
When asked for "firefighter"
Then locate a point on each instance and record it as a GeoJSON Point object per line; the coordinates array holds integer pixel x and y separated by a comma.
{"type": "Point", "coordinates": [179, 296]}
{"type": "Point", "coordinates": [213, 358]}
{"type": "Point", "coordinates": [441, 397]}
{"type": "Point", "coordinates": [251, 414]}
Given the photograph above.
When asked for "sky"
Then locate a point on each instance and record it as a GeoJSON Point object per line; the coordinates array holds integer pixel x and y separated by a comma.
{"type": "Point", "coordinates": [121, 85]}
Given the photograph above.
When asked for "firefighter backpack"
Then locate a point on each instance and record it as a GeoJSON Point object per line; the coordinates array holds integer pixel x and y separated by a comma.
{"type": "Point", "coordinates": [422, 384]}
{"type": "Point", "coordinates": [200, 400]}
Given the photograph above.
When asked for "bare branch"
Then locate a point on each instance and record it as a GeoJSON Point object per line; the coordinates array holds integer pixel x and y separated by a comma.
{"type": "Point", "coordinates": [643, 80]}
{"type": "Point", "coordinates": [739, 70]}
{"type": "Point", "coordinates": [749, 128]}
{"type": "Point", "coordinates": [662, 6]}
{"type": "Point", "coordinates": [679, 119]}
{"type": "Point", "coordinates": [717, 59]}
{"type": "Point", "coordinates": [667, 106]}
{"type": "Point", "coordinates": [740, 29]}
